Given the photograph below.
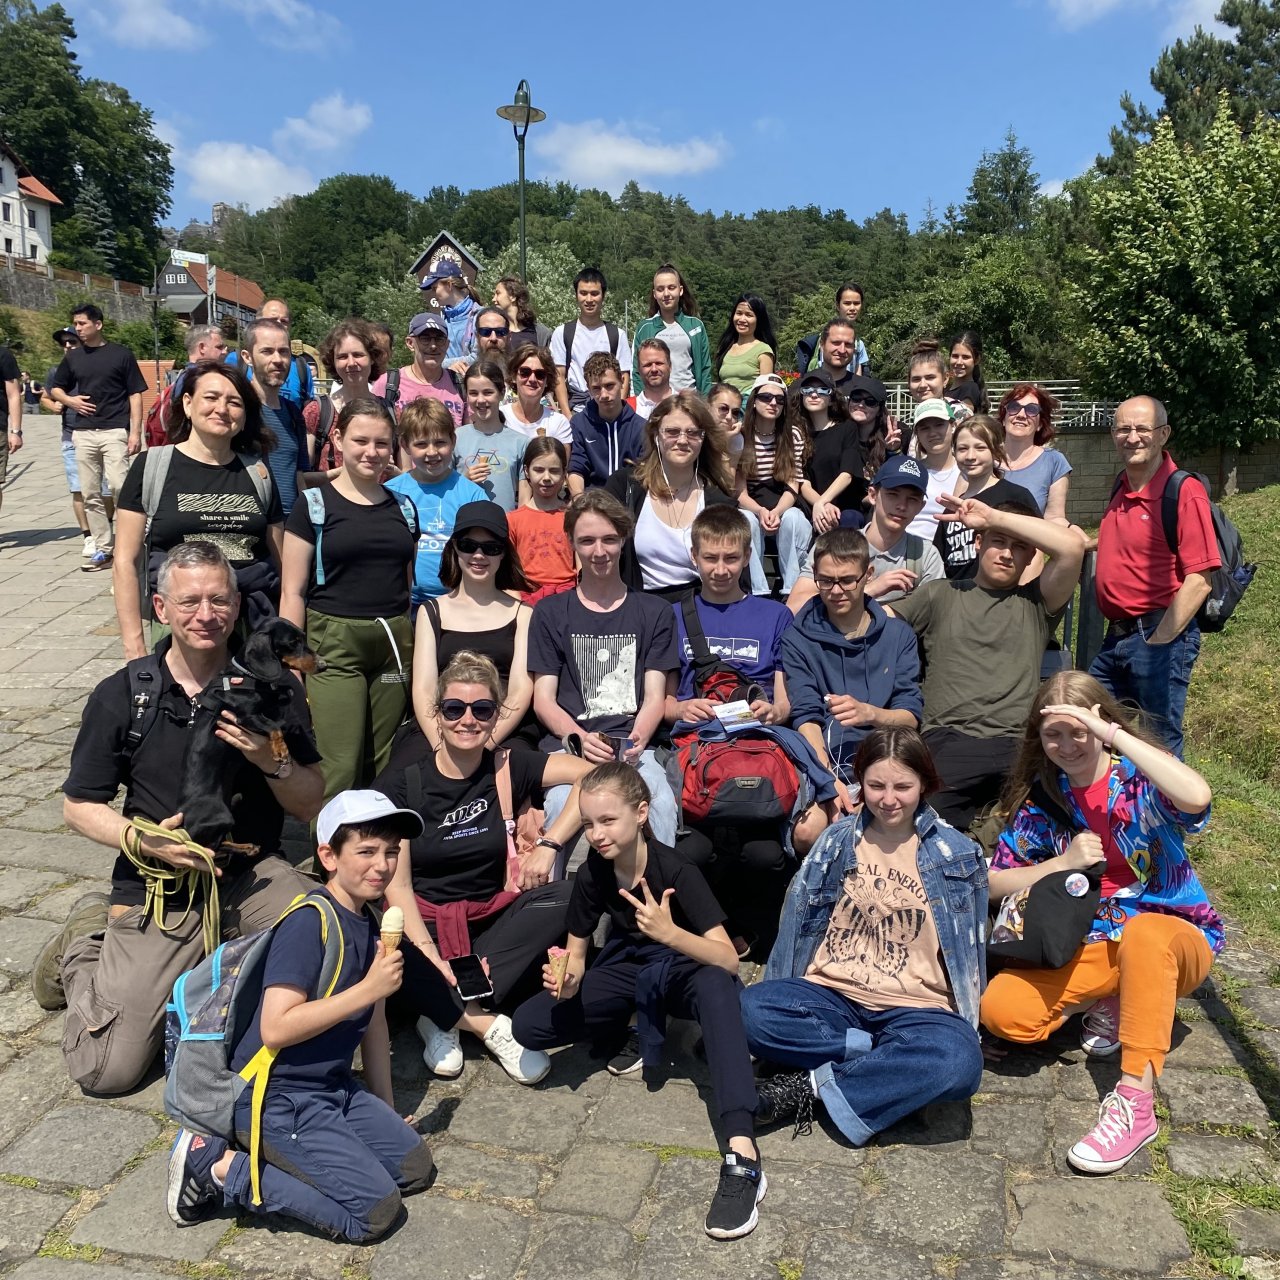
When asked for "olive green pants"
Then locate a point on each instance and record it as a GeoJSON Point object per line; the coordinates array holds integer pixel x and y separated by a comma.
{"type": "Point", "coordinates": [358, 701]}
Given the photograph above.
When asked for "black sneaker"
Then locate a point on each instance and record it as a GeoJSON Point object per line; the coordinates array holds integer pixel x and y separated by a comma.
{"type": "Point", "coordinates": [733, 1207]}
{"type": "Point", "coordinates": [192, 1193]}
{"type": "Point", "coordinates": [628, 1058]}
{"type": "Point", "coordinates": [785, 1097]}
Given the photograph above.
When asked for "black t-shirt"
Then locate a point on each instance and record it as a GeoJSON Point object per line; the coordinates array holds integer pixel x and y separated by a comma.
{"type": "Point", "coordinates": [835, 450]}
{"type": "Point", "coordinates": [152, 778]}
{"type": "Point", "coordinates": [601, 658]}
{"type": "Point", "coordinates": [955, 542]}
{"type": "Point", "coordinates": [108, 375]}
{"type": "Point", "coordinates": [9, 372]}
{"type": "Point", "coordinates": [367, 553]}
{"type": "Point", "coordinates": [202, 501]}
{"type": "Point", "coordinates": [596, 893]}
{"type": "Point", "coordinates": [295, 959]}
{"type": "Point", "coordinates": [462, 855]}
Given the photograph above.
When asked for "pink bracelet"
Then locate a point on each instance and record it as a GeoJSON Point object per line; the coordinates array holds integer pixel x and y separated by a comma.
{"type": "Point", "coordinates": [1112, 730]}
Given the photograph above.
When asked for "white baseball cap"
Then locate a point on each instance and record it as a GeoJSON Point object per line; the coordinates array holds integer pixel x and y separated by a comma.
{"type": "Point", "coordinates": [357, 808]}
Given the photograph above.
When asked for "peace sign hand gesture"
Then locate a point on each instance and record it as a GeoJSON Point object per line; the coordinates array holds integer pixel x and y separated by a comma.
{"type": "Point", "coordinates": [653, 917]}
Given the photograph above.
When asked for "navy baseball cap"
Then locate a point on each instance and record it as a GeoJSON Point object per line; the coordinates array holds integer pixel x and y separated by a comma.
{"type": "Point", "coordinates": [899, 472]}
{"type": "Point", "coordinates": [425, 320]}
{"type": "Point", "coordinates": [445, 269]}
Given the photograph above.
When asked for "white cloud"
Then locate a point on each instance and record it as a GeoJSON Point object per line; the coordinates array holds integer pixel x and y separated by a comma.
{"type": "Point", "coordinates": [1182, 16]}
{"type": "Point", "coordinates": [143, 24]}
{"type": "Point", "coordinates": [241, 174]}
{"type": "Point", "coordinates": [289, 24]}
{"type": "Point", "coordinates": [1052, 188]}
{"type": "Point", "coordinates": [1189, 14]}
{"type": "Point", "coordinates": [594, 154]}
{"type": "Point", "coordinates": [329, 124]}
{"type": "Point", "coordinates": [167, 131]}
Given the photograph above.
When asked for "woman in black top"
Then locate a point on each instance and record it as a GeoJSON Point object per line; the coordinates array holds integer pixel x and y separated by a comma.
{"type": "Point", "coordinates": [460, 891]}
{"type": "Point", "coordinates": [349, 549]}
{"type": "Point", "coordinates": [208, 495]}
{"type": "Point", "coordinates": [833, 481]}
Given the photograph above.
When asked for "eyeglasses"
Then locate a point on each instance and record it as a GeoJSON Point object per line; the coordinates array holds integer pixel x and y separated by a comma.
{"type": "Point", "coordinates": [433, 335]}
{"type": "Point", "coordinates": [1030, 410]}
{"type": "Point", "coordinates": [483, 709]}
{"type": "Point", "coordinates": [1143, 433]}
{"type": "Point", "coordinates": [692, 434]}
{"type": "Point", "coordinates": [469, 547]}
{"type": "Point", "coordinates": [188, 608]}
{"type": "Point", "coordinates": [486, 332]}
{"type": "Point", "coordinates": [830, 584]}
{"type": "Point", "coordinates": [820, 391]}
{"type": "Point", "coordinates": [769, 397]}
{"type": "Point", "coordinates": [535, 375]}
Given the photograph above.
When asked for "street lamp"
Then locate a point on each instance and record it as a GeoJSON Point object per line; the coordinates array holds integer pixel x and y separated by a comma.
{"type": "Point", "coordinates": [521, 115]}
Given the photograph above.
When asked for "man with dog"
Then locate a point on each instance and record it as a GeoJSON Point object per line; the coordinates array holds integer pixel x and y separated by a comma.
{"type": "Point", "coordinates": [115, 961]}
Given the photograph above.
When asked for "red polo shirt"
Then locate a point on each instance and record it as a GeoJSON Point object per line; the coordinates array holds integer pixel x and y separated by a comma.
{"type": "Point", "coordinates": [1136, 570]}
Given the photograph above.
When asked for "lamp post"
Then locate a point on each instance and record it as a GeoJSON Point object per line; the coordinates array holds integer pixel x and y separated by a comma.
{"type": "Point", "coordinates": [521, 115]}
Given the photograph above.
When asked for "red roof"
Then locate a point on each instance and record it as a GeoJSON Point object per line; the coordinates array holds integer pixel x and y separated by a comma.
{"type": "Point", "coordinates": [230, 287]}
{"type": "Point", "coordinates": [37, 190]}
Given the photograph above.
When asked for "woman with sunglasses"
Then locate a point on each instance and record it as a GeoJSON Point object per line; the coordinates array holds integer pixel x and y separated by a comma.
{"type": "Point", "coordinates": [774, 455]}
{"type": "Point", "coordinates": [533, 376]}
{"type": "Point", "coordinates": [833, 480]}
{"type": "Point", "coordinates": [683, 470]}
{"type": "Point", "coordinates": [877, 429]}
{"type": "Point", "coordinates": [1026, 413]}
{"type": "Point", "coordinates": [479, 569]}
{"type": "Point", "coordinates": [461, 890]}
{"type": "Point", "coordinates": [747, 345]}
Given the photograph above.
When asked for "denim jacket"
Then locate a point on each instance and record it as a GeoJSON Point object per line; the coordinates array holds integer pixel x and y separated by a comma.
{"type": "Point", "coordinates": [954, 875]}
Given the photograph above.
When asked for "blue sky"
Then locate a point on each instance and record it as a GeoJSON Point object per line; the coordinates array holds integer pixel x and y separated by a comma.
{"type": "Point", "coordinates": [892, 106]}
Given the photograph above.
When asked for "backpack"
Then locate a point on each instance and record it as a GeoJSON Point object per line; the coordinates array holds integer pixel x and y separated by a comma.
{"type": "Point", "coordinates": [745, 779]}
{"type": "Point", "coordinates": [144, 700]}
{"type": "Point", "coordinates": [315, 509]}
{"type": "Point", "coordinates": [1231, 579]}
{"type": "Point", "coordinates": [157, 424]}
{"type": "Point", "coordinates": [209, 1012]}
{"type": "Point", "coordinates": [155, 470]}
{"type": "Point", "coordinates": [571, 332]}
{"type": "Point", "coordinates": [327, 454]}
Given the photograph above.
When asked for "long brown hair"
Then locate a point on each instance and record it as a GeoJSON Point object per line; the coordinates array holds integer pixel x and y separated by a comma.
{"type": "Point", "coordinates": [710, 468]}
{"type": "Point", "coordinates": [1066, 688]}
{"type": "Point", "coordinates": [785, 469]}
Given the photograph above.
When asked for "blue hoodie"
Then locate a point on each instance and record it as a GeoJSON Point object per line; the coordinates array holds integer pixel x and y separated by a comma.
{"type": "Point", "coordinates": [600, 448]}
{"type": "Point", "coordinates": [881, 668]}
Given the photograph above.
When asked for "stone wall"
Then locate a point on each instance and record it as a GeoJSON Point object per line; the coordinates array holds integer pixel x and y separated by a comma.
{"type": "Point", "coordinates": [34, 292]}
{"type": "Point", "coordinates": [1095, 465]}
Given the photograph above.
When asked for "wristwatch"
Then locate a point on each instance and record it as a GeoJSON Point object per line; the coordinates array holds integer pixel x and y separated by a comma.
{"type": "Point", "coordinates": [548, 843]}
{"type": "Point", "coordinates": [284, 770]}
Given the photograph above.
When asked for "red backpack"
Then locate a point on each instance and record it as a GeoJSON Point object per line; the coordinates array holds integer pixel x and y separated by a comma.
{"type": "Point", "coordinates": [745, 778]}
{"type": "Point", "coordinates": [157, 425]}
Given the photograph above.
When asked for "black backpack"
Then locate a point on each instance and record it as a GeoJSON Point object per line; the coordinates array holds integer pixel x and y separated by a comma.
{"type": "Point", "coordinates": [571, 332]}
{"type": "Point", "coordinates": [1231, 580]}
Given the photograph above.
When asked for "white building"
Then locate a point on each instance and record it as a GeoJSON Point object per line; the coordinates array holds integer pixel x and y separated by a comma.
{"type": "Point", "coordinates": [26, 210]}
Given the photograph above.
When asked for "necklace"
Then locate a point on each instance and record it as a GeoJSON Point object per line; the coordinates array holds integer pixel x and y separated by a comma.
{"type": "Point", "coordinates": [680, 512]}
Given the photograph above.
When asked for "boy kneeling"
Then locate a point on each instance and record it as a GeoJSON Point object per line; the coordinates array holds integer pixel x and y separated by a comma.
{"type": "Point", "coordinates": [336, 1154]}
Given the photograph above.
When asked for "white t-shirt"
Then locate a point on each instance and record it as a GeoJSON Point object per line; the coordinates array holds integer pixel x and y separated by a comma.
{"type": "Point", "coordinates": [924, 525]}
{"type": "Point", "coordinates": [645, 406]}
{"type": "Point", "coordinates": [552, 423]}
{"type": "Point", "coordinates": [586, 342]}
{"type": "Point", "coordinates": [681, 356]}
{"type": "Point", "coordinates": [664, 552]}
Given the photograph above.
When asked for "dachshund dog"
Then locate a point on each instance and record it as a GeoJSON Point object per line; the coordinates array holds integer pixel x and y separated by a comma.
{"type": "Point", "coordinates": [257, 687]}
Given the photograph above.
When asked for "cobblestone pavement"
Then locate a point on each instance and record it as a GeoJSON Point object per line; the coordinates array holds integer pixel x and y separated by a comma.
{"type": "Point", "coordinates": [585, 1176]}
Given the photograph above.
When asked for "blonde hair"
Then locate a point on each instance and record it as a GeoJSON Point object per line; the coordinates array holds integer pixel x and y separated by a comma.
{"type": "Point", "coordinates": [469, 667]}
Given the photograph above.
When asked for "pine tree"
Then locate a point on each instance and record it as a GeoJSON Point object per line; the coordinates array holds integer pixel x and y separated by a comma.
{"type": "Point", "coordinates": [1003, 194]}
{"type": "Point", "coordinates": [92, 206]}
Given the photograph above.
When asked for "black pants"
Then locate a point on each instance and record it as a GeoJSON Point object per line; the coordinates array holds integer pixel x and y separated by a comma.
{"type": "Point", "coordinates": [514, 942]}
{"type": "Point", "coordinates": [607, 999]}
{"type": "Point", "coordinates": [748, 871]}
{"type": "Point", "coordinates": [973, 771]}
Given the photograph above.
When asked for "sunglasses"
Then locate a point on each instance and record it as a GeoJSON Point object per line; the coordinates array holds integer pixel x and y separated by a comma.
{"type": "Point", "coordinates": [1030, 410]}
{"type": "Point", "coordinates": [819, 391]}
{"type": "Point", "coordinates": [867, 402]}
{"type": "Point", "coordinates": [692, 434]}
{"type": "Point", "coordinates": [768, 397]}
{"type": "Point", "coordinates": [469, 547]}
{"type": "Point", "coordinates": [432, 335]}
{"type": "Point", "coordinates": [486, 332]}
{"type": "Point", "coordinates": [537, 375]}
{"type": "Point", "coordinates": [483, 709]}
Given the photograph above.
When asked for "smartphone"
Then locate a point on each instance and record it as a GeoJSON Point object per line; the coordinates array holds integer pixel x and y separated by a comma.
{"type": "Point", "coordinates": [473, 982]}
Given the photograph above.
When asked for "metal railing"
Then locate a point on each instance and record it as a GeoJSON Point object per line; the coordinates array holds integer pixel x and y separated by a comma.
{"type": "Point", "coordinates": [1076, 412]}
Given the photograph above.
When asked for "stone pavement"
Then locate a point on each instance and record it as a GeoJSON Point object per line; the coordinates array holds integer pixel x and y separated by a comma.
{"type": "Point", "coordinates": [585, 1176]}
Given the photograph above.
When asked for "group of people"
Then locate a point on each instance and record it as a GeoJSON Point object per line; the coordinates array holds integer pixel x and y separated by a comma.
{"type": "Point", "coordinates": [523, 601]}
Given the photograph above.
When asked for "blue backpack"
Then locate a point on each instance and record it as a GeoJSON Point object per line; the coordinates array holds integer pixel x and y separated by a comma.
{"type": "Point", "coordinates": [314, 499]}
{"type": "Point", "coordinates": [211, 1009]}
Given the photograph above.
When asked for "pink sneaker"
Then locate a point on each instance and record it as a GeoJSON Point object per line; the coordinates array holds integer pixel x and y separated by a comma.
{"type": "Point", "coordinates": [1126, 1123]}
{"type": "Point", "coordinates": [1100, 1028]}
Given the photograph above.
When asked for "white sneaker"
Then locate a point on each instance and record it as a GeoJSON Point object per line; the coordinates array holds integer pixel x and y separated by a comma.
{"type": "Point", "coordinates": [90, 548]}
{"type": "Point", "coordinates": [524, 1066]}
{"type": "Point", "coordinates": [1100, 1028]}
{"type": "Point", "coordinates": [442, 1050]}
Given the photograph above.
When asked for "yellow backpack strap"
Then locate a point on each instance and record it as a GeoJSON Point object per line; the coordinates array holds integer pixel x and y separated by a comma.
{"type": "Point", "coordinates": [257, 1070]}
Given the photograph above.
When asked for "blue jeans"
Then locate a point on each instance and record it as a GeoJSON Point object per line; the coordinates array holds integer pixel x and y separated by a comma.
{"type": "Point", "coordinates": [662, 805]}
{"type": "Point", "coordinates": [1154, 676]}
{"type": "Point", "coordinates": [871, 1068]}
{"type": "Point", "coordinates": [794, 535]}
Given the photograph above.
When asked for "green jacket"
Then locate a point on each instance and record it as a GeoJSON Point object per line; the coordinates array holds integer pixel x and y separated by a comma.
{"type": "Point", "coordinates": [698, 343]}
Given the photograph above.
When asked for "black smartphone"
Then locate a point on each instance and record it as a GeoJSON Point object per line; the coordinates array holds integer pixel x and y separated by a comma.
{"type": "Point", "coordinates": [473, 982]}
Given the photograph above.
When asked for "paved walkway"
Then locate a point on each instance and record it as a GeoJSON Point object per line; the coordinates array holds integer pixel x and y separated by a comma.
{"type": "Point", "coordinates": [584, 1177]}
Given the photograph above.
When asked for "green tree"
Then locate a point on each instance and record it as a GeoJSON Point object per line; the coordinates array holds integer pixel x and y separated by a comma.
{"type": "Point", "coordinates": [550, 268]}
{"type": "Point", "coordinates": [1182, 301]}
{"type": "Point", "coordinates": [92, 208]}
{"type": "Point", "coordinates": [1003, 193]}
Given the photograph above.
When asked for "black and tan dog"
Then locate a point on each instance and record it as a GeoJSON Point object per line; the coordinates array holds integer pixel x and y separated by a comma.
{"type": "Point", "coordinates": [257, 686]}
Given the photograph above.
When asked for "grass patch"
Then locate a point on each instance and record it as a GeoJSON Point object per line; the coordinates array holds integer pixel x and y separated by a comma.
{"type": "Point", "coordinates": [57, 1244]}
{"type": "Point", "coordinates": [789, 1268]}
{"type": "Point", "coordinates": [668, 1152]}
{"type": "Point", "coordinates": [19, 1180]}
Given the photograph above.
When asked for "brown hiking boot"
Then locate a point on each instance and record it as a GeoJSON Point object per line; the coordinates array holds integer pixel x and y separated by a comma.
{"type": "Point", "coordinates": [87, 915]}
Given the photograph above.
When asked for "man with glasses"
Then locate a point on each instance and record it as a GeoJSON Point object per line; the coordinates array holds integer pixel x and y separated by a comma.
{"type": "Point", "coordinates": [428, 340]}
{"type": "Point", "coordinates": [849, 666]}
{"type": "Point", "coordinates": [1149, 593]}
{"type": "Point", "coordinates": [112, 964]}
{"type": "Point", "coordinates": [654, 360]}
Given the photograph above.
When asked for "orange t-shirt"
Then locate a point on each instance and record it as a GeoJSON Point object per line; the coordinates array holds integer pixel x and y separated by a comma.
{"type": "Point", "coordinates": [542, 545]}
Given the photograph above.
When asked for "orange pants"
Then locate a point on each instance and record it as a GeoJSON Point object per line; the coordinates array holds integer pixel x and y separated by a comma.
{"type": "Point", "coordinates": [1157, 959]}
